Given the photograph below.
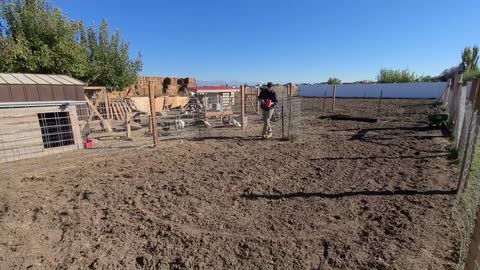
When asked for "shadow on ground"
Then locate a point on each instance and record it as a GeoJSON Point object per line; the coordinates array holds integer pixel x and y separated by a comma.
{"type": "Point", "coordinates": [347, 194]}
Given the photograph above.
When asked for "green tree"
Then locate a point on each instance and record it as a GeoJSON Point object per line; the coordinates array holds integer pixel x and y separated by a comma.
{"type": "Point", "coordinates": [334, 81]}
{"type": "Point", "coordinates": [39, 38]}
{"type": "Point", "coordinates": [470, 75]}
{"type": "Point", "coordinates": [396, 76]}
{"type": "Point", "coordinates": [109, 62]}
{"type": "Point", "coordinates": [427, 78]}
{"type": "Point", "coordinates": [470, 58]}
{"type": "Point", "coordinates": [36, 37]}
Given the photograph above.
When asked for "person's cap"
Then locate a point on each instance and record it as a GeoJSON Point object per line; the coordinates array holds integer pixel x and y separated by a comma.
{"type": "Point", "coordinates": [269, 84]}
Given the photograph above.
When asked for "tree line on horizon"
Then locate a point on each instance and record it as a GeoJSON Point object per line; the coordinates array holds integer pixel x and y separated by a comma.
{"type": "Point", "coordinates": [469, 66]}
{"type": "Point", "coordinates": [36, 37]}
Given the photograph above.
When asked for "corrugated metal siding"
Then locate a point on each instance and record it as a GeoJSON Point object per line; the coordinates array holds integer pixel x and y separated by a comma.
{"type": "Point", "coordinates": [32, 93]}
{"type": "Point", "coordinates": [58, 92]}
{"type": "Point", "coordinates": [17, 87]}
{"type": "Point", "coordinates": [5, 93]}
{"type": "Point", "coordinates": [45, 93]}
{"type": "Point", "coordinates": [79, 93]}
{"type": "Point", "coordinates": [69, 91]}
{"type": "Point", "coordinates": [17, 93]}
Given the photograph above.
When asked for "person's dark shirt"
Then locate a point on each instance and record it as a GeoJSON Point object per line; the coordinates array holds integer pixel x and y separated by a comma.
{"type": "Point", "coordinates": [267, 94]}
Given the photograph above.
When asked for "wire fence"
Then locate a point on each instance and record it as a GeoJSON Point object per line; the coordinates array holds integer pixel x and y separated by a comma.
{"type": "Point", "coordinates": [35, 129]}
{"type": "Point", "coordinates": [462, 112]}
{"type": "Point", "coordinates": [289, 111]}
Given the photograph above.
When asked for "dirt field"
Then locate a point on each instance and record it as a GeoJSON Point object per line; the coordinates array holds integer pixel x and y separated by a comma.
{"type": "Point", "coordinates": [345, 195]}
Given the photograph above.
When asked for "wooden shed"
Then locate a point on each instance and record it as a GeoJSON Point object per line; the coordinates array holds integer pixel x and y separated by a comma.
{"type": "Point", "coordinates": [38, 115]}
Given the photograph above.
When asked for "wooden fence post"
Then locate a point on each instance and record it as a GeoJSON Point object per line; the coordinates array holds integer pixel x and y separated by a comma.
{"type": "Point", "coordinates": [128, 126]}
{"type": "Point", "coordinates": [334, 95]}
{"type": "Point", "coordinates": [242, 97]}
{"type": "Point", "coordinates": [324, 98]}
{"type": "Point", "coordinates": [153, 114]}
{"type": "Point", "coordinates": [107, 104]}
{"type": "Point", "coordinates": [380, 102]}
{"type": "Point", "coordinates": [258, 101]}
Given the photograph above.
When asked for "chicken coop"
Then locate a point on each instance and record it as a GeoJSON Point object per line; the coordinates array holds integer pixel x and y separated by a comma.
{"type": "Point", "coordinates": [218, 101]}
{"type": "Point", "coordinates": [38, 115]}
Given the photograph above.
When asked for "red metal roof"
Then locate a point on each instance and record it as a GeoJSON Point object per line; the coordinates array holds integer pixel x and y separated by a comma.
{"type": "Point", "coordinates": [216, 87]}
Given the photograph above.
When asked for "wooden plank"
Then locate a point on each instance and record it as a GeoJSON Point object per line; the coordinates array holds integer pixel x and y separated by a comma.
{"type": "Point", "coordinates": [18, 136]}
{"type": "Point", "coordinates": [119, 111]}
{"type": "Point", "coordinates": [29, 152]}
{"type": "Point", "coordinates": [114, 111]}
{"type": "Point", "coordinates": [107, 105]}
{"type": "Point", "coordinates": [95, 111]}
{"type": "Point", "coordinates": [242, 97]}
{"type": "Point", "coordinates": [334, 96]}
{"type": "Point", "coordinates": [18, 117]}
{"type": "Point", "coordinates": [473, 91]}
{"type": "Point", "coordinates": [21, 144]}
{"type": "Point", "coordinates": [153, 115]}
{"type": "Point", "coordinates": [122, 109]}
{"type": "Point", "coordinates": [93, 107]}
{"type": "Point", "coordinates": [12, 130]}
{"type": "Point", "coordinates": [476, 94]}
{"type": "Point", "coordinates": [4, 121]}
{"type": "Point", "coordinates": [23, 150]}
{"type": "Point", "coordinates": [127, 106]}
{"type": "Point", "coordinates": [77, 135]}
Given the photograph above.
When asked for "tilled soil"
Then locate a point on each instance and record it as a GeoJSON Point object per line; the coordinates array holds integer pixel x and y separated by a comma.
{"type": "Point", "coordinates": [345, 195]}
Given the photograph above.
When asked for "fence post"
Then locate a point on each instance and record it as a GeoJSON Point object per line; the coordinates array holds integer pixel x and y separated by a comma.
{"type": "Point", "coordinates": [128, 126]}
{"type": "Point", "coordinates": [258, 101]}
{"type": "Point", "coordinates": [107, 103]}
{"type": "Point", "coordinates": [153, 114]}
{"type": "Point", "coordinates": [324, 98]}
{"type": "Point", "coordinates": [289, 100]}
{"type": "Point", "coordinates": [334, 95]}
{"type": "Point", "coordinates": [242, 97]}
{"type": "Point", "coordinates": [283, 115]}
{"type": "Point", "coordinates": [460, 116]}
{"type": "Point", "coordinates": [476, 97]}
{"type": "Point", "coordinates": [380, 102]}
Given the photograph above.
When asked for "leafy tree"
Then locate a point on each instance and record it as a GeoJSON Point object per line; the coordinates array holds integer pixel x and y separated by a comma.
{"type": "Point", "coordinates": [470, 62]}
{"type": "Point", "coordinates": [36, 37]}
{"type": "Point", "coordinates": [470, 58]}
{"type": "Point", "coordinates": [334, 81]}
{"type": "Point", "coordinates": [39, 38]}
{"type": "Point", "coordinates": [470, 75]}
{"type": "Point", "coordinates": [427, 78]}
{"type": "Point", "coordinates": [396, 76]}
{"type": "Point", "coordinates": [109, 63]}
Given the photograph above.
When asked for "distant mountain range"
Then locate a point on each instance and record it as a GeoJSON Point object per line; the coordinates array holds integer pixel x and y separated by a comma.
{"type": "Point", "coordinates": [223, 82]}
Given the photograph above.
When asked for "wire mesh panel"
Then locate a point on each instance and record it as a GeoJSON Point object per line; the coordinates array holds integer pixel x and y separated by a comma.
{"type": "Point", "coordinates": [289, 112]}
{"type": "Point", "coordinates": [56, 129]}
{"type": "Point", "coordinates": [36, 129]}
{"type": "Point", "coordinates": [113, 123]}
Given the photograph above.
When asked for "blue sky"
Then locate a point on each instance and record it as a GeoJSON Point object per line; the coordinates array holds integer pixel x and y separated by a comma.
{"type": "Point", "coordinates": [288, 40]}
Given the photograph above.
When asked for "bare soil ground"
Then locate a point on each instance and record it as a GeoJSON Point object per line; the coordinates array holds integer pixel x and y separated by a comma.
{"type": "Point", "coordinates": [345, 195]}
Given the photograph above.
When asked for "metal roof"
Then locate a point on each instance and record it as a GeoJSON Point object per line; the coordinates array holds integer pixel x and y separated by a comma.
{"type": "Point", "coordinates": [30, 79]}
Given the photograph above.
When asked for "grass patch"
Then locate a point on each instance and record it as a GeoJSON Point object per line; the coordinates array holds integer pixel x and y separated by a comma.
{"type": "Point", "coordinates": [472, 184]}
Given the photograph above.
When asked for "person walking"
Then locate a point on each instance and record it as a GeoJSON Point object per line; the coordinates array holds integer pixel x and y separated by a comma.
{"type": "Point", "coordinates": [268, 99]}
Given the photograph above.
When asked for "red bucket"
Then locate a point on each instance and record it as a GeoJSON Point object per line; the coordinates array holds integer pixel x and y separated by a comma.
{"type": "Point", "coordinates": [268, 103]}
{"type": "Point", "coordinates": [88, 143]}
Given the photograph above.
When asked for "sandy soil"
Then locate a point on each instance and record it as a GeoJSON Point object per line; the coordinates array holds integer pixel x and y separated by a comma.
{"type": "Point", "coordinates": [345, 195]}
